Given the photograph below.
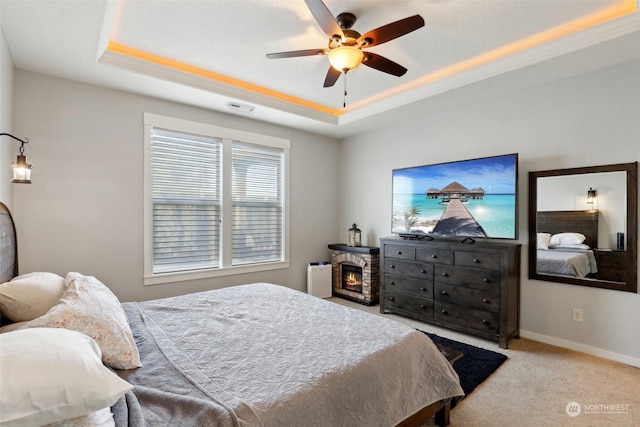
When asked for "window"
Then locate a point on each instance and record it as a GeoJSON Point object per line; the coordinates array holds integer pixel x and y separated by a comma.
{"type": "Point", "coordinates": [215, 201]}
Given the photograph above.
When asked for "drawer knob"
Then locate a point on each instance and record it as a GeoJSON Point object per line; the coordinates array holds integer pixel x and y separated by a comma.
{"type": "Point", "coordinates": [422, 288]}
{"type": "Point", "coordinates": [485, 280]}
{"type": "Point", "coordinates": [399, 252]}
{"type": "Point", "coordinates": [392, 266]}
{"type": "Point", "coordinates": [392, 283]}
{"type": "Point", "coordinates": [443, 311]}
{"type": "Point", "coordinates": [444, 274]}
{"type": "Point", "coordinates": [434, 256]}
{"type": "Point", "coordinates": [444, 293]}
{"type": "Point", "coordinates": [476, 260]}
{"type": "Point", "coordinates": [485, 321]}
{"type": "Point", "coordinates": [486, 301]}
{"type": "Point", "coordinates": [422, 306]}
{"type": "Point", "coordinates": [392, 299]}
{"type": "Point", "coordinates": [422, 271]}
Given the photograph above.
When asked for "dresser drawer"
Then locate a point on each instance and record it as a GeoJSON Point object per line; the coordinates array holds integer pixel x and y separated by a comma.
{"type": "Point", "coordinates": [613, 274]}
{"type": "Point", "coordinates": [436, 255]}
{"type": "Point", "coordinates": [418, 306]}
{"type": "Point", "coordinates": [466, 316]}
{"type": "Point", "coordinates": [407, 285]}
{"type": "Point", "coordinates": [610, 260]}
{"type": "Point", "coordinates": [400, 252]}
{"type": "Point", "coordinates": [470, 297]}
{"type": "Point", "coordinates": [489, 261]}
{"type": "Point", "coordinates": [418, 270]}
{"type": "Point", "coordinates": [472, 277]}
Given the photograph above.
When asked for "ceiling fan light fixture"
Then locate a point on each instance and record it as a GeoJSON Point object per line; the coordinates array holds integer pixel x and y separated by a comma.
{"type": "Point", "coordinates": [345, 58]}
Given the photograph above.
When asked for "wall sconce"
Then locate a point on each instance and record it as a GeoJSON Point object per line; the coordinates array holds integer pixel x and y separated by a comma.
{"type": "Point", "coordinates": [21, 169]}
{"type": "Point", "coordinates": [591, 196]}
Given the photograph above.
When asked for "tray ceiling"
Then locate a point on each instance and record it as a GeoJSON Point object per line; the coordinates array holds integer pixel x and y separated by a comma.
{"type": "Point", "coordinates": [211, 53]}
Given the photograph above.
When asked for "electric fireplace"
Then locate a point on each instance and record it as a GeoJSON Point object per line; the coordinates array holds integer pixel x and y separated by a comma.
{"type": "Point", "coordinates": [356, 273]}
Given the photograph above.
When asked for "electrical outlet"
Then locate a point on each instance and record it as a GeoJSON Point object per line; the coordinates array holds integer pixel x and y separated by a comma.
{"type": "Point", "coordinates": [577, 315]}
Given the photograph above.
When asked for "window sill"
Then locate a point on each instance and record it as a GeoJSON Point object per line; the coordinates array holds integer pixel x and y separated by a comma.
{"type": "Point", "coordinates": [158, 279]}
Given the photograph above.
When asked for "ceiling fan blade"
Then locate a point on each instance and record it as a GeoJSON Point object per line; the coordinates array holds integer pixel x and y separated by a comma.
{"type": "Point", "coordinates": [324, 18]}
{"type": "Point", "coordinates": [391, 31]}
{"type": "Point", "coordinates": [332, 77]}
{"type": "Point", "coordinates": [294, 53]}
{"type": "Point", "coordinates": [383, 64]}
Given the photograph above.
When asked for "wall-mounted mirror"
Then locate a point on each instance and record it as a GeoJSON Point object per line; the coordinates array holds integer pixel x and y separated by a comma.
{"type": "Point", "coordinates": [583, 225]}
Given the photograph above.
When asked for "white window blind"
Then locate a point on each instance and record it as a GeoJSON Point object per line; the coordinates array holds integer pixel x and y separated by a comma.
{"type": "Point", "coordinates": [215, 201]}
{"type": "Point", "coordinates": [186, 199]}
{"type": "Point", "coordinates": [257, 199]}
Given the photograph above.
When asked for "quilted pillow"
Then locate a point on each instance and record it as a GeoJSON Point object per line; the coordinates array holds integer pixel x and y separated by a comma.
{"type": "Point", "coordinates": [30, 295]}
{"type": "Point", "coordinates": [90, 307]}
{"type": "Point", "coordinates": [543, 240]}
{"type": "Point", "coordinates": [51, 375]}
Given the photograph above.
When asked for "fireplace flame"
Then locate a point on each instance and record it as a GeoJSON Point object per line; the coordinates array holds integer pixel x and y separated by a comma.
{"type": "Point", "coordinates": [351, 280]}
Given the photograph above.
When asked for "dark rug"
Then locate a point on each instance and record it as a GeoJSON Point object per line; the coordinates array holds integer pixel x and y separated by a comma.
{"type": "Point", "coordinates": [475, 366]}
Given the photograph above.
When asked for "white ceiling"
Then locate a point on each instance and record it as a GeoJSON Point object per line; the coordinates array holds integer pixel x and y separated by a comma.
{"type": "Point", "coordinates": [214, 51]}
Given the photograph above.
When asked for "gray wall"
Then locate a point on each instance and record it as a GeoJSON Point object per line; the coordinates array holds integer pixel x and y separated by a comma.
{"type": "Point", "coordinates": [84, 210]}
{"type": "Point", "coordinates": [587, 120]}
{"type": "Point", "coordinates": [569, 192]}
{"type": "Point", "coordinates": [6, 143]}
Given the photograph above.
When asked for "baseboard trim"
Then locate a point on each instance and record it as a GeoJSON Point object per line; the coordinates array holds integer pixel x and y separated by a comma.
{"type": "Point", "coordinates": [594, 351]}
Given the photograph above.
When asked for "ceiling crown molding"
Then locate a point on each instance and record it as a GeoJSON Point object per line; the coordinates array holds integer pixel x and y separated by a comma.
{"type": "Point", "coordinates": [617, 20]}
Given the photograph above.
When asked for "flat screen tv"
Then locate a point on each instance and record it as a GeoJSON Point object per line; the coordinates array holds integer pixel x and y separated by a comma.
{"type": "Point", "coordinates": [475, 198]}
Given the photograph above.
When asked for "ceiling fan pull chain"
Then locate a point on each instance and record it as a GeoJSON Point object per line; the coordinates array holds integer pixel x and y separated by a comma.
{"type": "Point", "coordinates": [344, 99]}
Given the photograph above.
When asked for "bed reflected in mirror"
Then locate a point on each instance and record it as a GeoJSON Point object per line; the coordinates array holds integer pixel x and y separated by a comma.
{"type": "Point", "coordinates": [583, 226]}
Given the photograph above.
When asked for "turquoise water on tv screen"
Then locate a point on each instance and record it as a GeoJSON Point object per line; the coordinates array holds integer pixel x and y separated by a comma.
{"type": "Point", "coordinates": [495, 213]}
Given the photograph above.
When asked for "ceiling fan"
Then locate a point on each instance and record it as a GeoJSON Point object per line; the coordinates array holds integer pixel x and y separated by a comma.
{"type": "Point", "coordinates": [345, 45]}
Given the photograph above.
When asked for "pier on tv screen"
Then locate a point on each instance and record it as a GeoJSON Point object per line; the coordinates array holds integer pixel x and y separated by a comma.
{"type": "Point", "coordinates": [468, 198]}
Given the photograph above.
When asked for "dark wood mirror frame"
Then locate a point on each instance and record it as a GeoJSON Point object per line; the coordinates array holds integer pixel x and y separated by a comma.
{"type": "Point", "coordinates": [630, 284]}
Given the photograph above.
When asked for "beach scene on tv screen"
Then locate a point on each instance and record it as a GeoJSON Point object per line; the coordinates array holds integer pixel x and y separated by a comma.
{"type": "Point", "coordinates": [471, 198]}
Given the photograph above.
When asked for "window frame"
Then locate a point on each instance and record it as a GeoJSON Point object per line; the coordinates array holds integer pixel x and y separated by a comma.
{"type": "Point", "coordinates": [228, 136]}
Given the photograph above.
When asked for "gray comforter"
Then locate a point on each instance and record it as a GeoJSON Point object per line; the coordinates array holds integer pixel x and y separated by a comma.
{"type": "Point", "coordinates": [566, 262]}
{"type": "Point", "coordinates": [266, 355]}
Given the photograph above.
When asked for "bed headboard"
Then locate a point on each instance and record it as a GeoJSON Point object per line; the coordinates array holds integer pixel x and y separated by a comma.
{"type": "Point", "coordinates": [8, 245]}
{"type": "Point", "coordinates": [585, 222]}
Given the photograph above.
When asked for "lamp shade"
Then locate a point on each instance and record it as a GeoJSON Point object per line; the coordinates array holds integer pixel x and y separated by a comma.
{"type": "Point", "coordinates": [345, 58]}
{"type": "Point", "coordinates": [21, 171]}
{"type": "Point", "coordinates": [591, 195]}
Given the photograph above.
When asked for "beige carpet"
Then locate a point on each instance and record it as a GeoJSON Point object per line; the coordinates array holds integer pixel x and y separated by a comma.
{"type": "Point", "coordinates": [535, 385]}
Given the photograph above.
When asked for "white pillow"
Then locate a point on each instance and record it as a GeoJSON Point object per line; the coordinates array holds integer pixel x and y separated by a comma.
{"type": "Point", "coordinates": [51, 375]}
{"type": "Point", "coordinates": [90, 307]}
{"type": "Point", "coordinates": [567, 239]}
{"type": "Point", "coordinates": [99, 418]}
{"type": "Point", "coordinates": [30, 295]}
{"type": "Point", "coordinates": [13, 327]}
{"type": "Point", "coordinates": [543, 240]}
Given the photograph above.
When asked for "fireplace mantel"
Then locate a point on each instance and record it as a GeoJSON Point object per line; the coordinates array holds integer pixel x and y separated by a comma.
{"type": "Point", "coordinates": [356, 249]}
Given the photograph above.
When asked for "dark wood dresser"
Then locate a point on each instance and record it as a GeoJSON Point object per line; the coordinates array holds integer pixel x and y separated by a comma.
{"type": "Point", "coordinates": [469, 287]}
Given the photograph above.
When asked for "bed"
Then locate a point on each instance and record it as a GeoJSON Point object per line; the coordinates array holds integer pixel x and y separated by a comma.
{"type": "Point", "coordinates": [565, 243]}
{"type": "Point", "coordinates": [250, 355]}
